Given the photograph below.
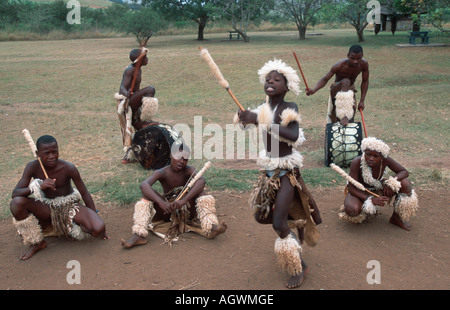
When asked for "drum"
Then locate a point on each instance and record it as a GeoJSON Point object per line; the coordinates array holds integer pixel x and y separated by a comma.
{"type": "Point", "coordinates": [151, 145]}
{"type": "Point", "coordinates": [342, 143]}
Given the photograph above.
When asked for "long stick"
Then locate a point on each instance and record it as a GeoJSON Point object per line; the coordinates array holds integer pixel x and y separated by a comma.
{"type": "Point", "coordinates": [351, 180]}
{"type": "Point", "coordinates": [364, 124]}
{"type": "Point", "coordinates": [192, 182]}
{"type": "Point", "coordinates": [216, 71]}
{"type": "Point", "coordinates": [301, 71]}
{"type": "Point", "coordinates": [30, 141]}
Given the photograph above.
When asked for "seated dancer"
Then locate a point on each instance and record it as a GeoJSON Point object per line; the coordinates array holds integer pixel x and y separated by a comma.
{"type": "Point", "coordinates": [341, 102]}
{"type": "Point", "coordinates": [133, 103]}
{"type": "Point", "coordinates": [154, 210]}
{"type": "Point", "coordinates": [280, 196]}
{"type": "Point", "coordinates": [55, 204]}
{"type": "Point", "coordinates": [396, 191]}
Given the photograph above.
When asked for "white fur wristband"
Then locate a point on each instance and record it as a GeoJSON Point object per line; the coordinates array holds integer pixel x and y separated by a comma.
{"type": "Point", "coordinates": [368, 207]}
{"type": "Point", "coordinates": [35, 188]}
{"type": "Point", "coordinates": [393, 184]}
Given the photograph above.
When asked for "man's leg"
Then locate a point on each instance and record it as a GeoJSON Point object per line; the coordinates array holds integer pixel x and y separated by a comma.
{"type": "Point", "coordinates": [287, 246]}
{"type": "Point", "coordinates": [28, 217]}
{"type": "Point", "coordinates": [90, 222]}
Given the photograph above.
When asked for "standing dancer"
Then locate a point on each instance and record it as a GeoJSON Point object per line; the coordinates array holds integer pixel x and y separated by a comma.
{"type": "Point", "coordinates": [280, 196]}
{"type": "Point", "coordinates": [341, 102]}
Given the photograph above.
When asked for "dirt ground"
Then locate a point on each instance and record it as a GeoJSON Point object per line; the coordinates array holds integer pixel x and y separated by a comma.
{"type": "Point", "coordinates": [243, 257]}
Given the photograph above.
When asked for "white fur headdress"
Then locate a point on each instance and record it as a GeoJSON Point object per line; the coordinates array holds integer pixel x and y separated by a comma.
{"type": "Point", "coordinates": [278, 65]}
{"type": "Point", "coordinates": [374, 144]}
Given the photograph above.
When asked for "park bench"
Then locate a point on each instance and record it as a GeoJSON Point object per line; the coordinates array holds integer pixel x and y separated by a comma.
{"type": "Point", "coordinates": [423, 35]}
{"type": "Point", "coordinates": [234, 33]}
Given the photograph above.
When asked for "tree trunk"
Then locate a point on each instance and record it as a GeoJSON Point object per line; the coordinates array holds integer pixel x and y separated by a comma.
{"type": "Point", "coordinates": [302, 32]}
{"type": "Point", "coordinates": [243, 34]}
{"type": "Point", "coordinates": [360, 33]}
{"type": "Point", "coordinates": [201, 27]}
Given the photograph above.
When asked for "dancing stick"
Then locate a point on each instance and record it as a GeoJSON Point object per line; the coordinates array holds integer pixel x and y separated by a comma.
{"type": "Point", "coordinates": [192, 182]}
{"type": "Point", "coordinates": [216, 71]}
{"type": "Point", "coordinates": [364, 124]}
{"type": "Point", "coordinates": [30, 141]}
{"type": "Point", "coordinates": [351, 180]}
{"type": "Point", "coordinates": [298, 63]}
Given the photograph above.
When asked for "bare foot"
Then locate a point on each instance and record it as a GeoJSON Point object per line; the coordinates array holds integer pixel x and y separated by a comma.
{"type": "Point", "coordinates": [33, 249]}
{"type": "Point", "coordinates": [217, 230]}
{"type": "Point", "coordinates": [296, 281]}
{"type": "Point", "coordinates": [134, 240]}
{"type": "Point", "coordinates": [396, 220]}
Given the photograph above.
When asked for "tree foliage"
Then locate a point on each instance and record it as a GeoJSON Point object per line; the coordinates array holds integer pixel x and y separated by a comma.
{"type": "Point", "coordinates": [143, 24]}
{"type": "Point", "coordinates": [242, 12]}
{"type": "Point", "coordinates": [302, 12]}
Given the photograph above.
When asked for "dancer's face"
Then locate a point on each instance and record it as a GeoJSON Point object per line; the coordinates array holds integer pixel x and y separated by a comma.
{"type": "Point", "coordinates": [354, 59]}
{"type": "Point", "coordinates": [373, 158]}
{"type": "Point", "coordinates": [275, 84]}
{"type": "Point", "coordinates": [179, 160]}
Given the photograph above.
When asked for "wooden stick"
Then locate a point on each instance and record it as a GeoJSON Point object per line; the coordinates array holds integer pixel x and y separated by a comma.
{"type": "Point", "coordinates": [30, 141]}
{"type": "Point", "coordinates": [364, 124]}
{"type": "Point", "coordinates": [235, 99]}
{"type": "Point", "coordinates": [298, 63]}
{"type": "Point", "coordinates": [216, 71]}
{"type": "Point", "coordinates": [351, 180]}
{"type": "Point", "coordinates": [192, 182]}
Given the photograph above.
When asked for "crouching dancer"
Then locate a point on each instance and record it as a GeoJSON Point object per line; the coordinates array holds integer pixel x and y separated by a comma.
{"type": "Point", "coordinates": [280, 196]}
{"type": "Point", "coordinates": [55, 206]}
{"type": "Point", "coordinates": [395, 191]}
{"type": "Point", "coordinates": [168, 216]}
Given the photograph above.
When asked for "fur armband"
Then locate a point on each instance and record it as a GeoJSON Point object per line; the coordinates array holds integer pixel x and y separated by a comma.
{"type": "Point", "coordinates": [393, 184]}
{"type": "Point", "coordinates": [35, 188]}
{"type": "Point", "coordinates": [288, 116]}
{"type": "Point", "coordinates": [368, 207]}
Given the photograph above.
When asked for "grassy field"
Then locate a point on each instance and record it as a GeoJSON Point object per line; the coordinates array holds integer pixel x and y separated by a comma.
{"type": "Point", "coordinates": [65, 88]}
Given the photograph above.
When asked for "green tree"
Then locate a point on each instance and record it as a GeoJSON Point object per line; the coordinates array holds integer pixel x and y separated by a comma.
{"type": "Point", "coordinates": [302, 12]}
{"type": "Point", "coordinates": [198, 11]}
{"type": "Point", "coordinates": [242, 12]}
{"type": "Point", "coordinates": [355, 12]}
{"type": "Point", "coordinates": [115, 16]}
{"type": "Point", "coordinates": [144, 24]}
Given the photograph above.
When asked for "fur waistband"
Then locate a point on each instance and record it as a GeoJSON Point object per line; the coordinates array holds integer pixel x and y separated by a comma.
{"type": "Point", "coordinates": [289, 162]}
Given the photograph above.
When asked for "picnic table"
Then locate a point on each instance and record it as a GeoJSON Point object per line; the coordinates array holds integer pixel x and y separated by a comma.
{"type": "Point", "coordinates": [423, 35]}
{"type": "Point", "coordinates": [234, 33]}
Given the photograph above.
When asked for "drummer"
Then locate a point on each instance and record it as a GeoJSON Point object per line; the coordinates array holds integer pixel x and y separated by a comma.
{"type": "Point", "coordinates": [341, 103]}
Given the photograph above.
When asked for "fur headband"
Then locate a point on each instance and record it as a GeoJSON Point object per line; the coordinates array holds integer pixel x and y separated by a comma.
{"type": "Point", "coordinates": [278, 65]}
{"type": "Point", "coordinates": [374, 144]}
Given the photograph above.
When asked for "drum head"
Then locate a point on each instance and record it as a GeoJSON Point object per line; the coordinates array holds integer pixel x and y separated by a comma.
{"type": "Point", "coordinates": [342, 143]}
{"type": "Point", "coordinates": [151, 145]}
